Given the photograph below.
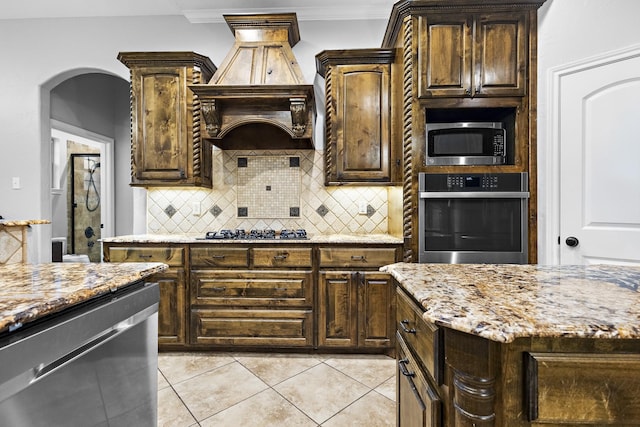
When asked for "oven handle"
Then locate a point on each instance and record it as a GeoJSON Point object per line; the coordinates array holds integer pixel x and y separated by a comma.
{"type": "Point", "coordinates": [474, 195]}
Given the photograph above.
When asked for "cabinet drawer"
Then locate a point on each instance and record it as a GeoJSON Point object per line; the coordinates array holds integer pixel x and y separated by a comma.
{"type": "Point", "coordinates": [171, 256]}
{"type": "Point", "coordinates": [282, 257]}
{"type": "Point", "coordinates": [250, 288]}
{"type": "Point", "coordinates": [603, 388]}
{"type": "Point", "coordinates": [423, 337]}
{"type": "Point", "coordinates": [219, 257]}
{"type": "Point", "coordinates": [357, 257]}
{"type": "Point", "coordinates": [249, 327]}
{"type": "Point", "coordinates": [419, 403]}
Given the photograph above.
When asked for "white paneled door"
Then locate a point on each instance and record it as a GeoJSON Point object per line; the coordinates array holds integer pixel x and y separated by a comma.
{"type": "Point", "coordinates": [600, 163]}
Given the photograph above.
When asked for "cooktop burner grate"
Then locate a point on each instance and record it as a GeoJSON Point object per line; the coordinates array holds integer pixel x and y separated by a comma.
{"type": "Point", "coordinates": [265, 234]}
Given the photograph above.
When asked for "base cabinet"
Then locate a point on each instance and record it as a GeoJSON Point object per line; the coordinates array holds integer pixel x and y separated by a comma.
{"type": "Point", "coordinates": [248, 296]}
{"type": "Point", "coordinates": [251, 296]}
{"type": "Point", "coordinates": [356, 305]}
{"type": "Point", "coordinates": [172, 319]}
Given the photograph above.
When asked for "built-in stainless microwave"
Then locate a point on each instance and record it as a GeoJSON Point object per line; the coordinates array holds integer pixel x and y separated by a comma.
{"type": "Point", "coordinates": [465, 143]}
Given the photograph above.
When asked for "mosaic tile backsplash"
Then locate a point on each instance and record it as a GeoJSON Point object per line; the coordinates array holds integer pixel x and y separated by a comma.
{"type": "Point", "coordinates": [257, 190]}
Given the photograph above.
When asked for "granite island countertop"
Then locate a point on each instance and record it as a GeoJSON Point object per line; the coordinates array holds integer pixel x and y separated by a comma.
{"type": "Point", "coordinates": [32, 291]}
{"type": "Point", "coordinates": [504, 302]}
{"type": "Point", "coordinates": [321, 238]}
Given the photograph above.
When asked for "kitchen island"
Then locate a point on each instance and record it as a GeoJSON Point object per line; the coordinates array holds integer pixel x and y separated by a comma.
{"type": "Point", "coordinates": [78, 344]}
{"type": "Point", "coordinates": [517, 345]}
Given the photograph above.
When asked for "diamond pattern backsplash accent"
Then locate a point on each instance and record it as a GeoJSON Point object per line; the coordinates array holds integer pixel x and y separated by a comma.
{"type": "Point", "coordinates": [170, 211]}
{"type": "Point", "coordinates": [322, 210]}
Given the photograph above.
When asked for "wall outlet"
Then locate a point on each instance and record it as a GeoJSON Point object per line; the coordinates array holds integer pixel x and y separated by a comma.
{"type": "Point", "coordinates": [362, 207]}
{"type": "Point", "coordinates": [15, 182]}
{"type": "Point", "coordinates": [195, 209]}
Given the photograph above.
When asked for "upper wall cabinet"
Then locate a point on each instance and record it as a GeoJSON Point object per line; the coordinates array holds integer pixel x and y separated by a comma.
{"type": "Point", "coordinates": [469, 55]}
{"type": "Point", "coordinates": [358, 144]}
{"type": "Point", "coordinates": [167, 148]}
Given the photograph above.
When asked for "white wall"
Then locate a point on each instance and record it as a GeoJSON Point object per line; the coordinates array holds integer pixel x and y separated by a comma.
{"type": "Point", "coordinates": [571, 31]}
{"type": "Point", "coordinates": [39, 54]}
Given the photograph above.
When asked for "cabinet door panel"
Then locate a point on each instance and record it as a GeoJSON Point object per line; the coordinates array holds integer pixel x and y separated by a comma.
{"type": "Point", "coordinates": [375, 306]}
{"type": "Point", "coordinates": [501, 43]}
{"type": "Point", "coordinates": [363, 130]}
{"type": "Point", "coordinates": [338, 322]}
{"type": "Point", "coordinates": [418, 402]}
{"type": "Point", "coordinates": [160, 128]}
{"type": "Point", "coordinates": [444, 46]}
{"type": "Point", "coordinates": [171, 309]}
{"type": "Point", "coordinates": [602, 389]}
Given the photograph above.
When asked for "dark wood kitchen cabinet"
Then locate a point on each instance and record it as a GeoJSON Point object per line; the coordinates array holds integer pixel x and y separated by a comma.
{"type": "Point", "coordinates": [172, 308]}
{"type": "Point", "coordinates": [358, 141]}
{"type": "Point", "coordinates": [463, 61]}
{"type": "Point", "coordinates": [469, 55]}
{"type": "Point", "coordinates": [447, 377]}
{"type": "Point", "coordinates": [254, 297]}
{"type": "Point", "coordinates": [167, 148]}
{"type": "Point", "coordinates": [418, 402]}
{"type": "Point", "coordinates": [356, 304]}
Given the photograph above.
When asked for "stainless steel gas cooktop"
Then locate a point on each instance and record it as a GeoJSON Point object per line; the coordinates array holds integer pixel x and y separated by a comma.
{"type": "Point", "coordinates": [265, 234]}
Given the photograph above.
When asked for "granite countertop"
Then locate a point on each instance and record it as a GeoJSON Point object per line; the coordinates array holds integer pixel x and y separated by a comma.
{"type": "Point", "coordinates": [505, 302]}
{"type": "Point", "coordinates": [322, 238]}
{"type": "Point", "coordinates": [22, 222]}
{"type": "Point", "coordinates": [32, 291]}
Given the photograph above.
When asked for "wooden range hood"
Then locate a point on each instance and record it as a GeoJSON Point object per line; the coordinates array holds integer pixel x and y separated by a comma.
{"type": "Point", "coordinates": [257, 99]}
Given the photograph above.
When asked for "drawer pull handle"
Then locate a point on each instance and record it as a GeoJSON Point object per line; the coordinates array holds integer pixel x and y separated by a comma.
{"type": "Point", "coordinates": [404, 328]}
{"type": "Point", "coordinates": [402, 363]}
{"type": "Point", "coordinates": [217, 256]}
{"type": "Point", "coordinates": [280, 289]}
{"type": "Point", "coordinates": [359, 258]}
{"type": "Point", "coordinates": [145, 256]}
{"type": "Point", "coordinates": [219, 288]}
{"type": "Point", "coordinates": [280, 257]}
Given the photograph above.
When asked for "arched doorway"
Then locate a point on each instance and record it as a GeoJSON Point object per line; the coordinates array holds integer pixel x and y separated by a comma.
{"type": "Point", "coordinates": [90, 105]}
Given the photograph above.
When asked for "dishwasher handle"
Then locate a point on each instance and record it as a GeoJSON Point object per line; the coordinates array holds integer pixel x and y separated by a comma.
{"type": "Point", "coordinates": [474, 195]}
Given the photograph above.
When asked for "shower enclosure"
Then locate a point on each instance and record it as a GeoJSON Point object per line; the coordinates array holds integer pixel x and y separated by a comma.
{"type": "Point", "coordinates": [85, 200]}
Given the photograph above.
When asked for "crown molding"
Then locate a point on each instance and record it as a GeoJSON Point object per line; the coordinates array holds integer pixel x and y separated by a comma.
{"type": "Point", "coordinates": [305, 13]}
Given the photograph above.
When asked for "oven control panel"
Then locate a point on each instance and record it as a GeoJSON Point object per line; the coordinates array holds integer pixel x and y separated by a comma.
{"type": "Point", "coordinates": [459, 182]}
{"type": "Point", "coordinates": [442, 182]}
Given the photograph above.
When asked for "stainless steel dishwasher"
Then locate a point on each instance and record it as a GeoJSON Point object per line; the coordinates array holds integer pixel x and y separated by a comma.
{"type": "Point", "coordinates": [93, 365]}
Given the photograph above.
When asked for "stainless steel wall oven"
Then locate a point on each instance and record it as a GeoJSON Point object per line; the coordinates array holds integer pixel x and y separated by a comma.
{"type": "Point", "coordinates": [473, 218]}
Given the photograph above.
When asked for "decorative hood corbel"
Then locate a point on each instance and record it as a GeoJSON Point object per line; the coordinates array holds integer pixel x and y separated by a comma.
{"type": "Point", "coordinates": [257, 99]}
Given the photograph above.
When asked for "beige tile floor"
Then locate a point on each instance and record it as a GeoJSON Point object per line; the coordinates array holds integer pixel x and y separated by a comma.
{"type": "Point", "coordinates": [249, 389]}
